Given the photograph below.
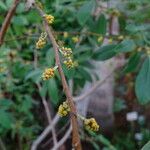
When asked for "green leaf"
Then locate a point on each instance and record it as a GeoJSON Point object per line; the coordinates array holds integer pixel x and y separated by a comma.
{"type": "Point", "coordinates": [126, 46]}
{"type": "Point", "coordinates": [5, 104]}
{"type": "Point", "coordinates": [146, 146]}
{"type": "Point", "coordinates": [132, 63]}
{"type": "Point", "coordinates": [6, 119]}
{"type": "Point", "coordinates": [3, 6]}
{"type": "Point", "coordinates": [53, 91]}
{"type": "Point", "coordinates": [106, 142]}
{"type": "Point", "coordinates": [100, 25]}
{"type": "Point", "coordinates": [137, 28]}
{"type": "Point", "coordinates": [26, 105]}
{"type": "Point", "coordinates": [142, 84]}
{"type": "Point", "coordinates": [85, 74]}
{"type": "Point", "coordinates": [105, 52]}
{"type": "Point", "coordinates": [34, 75]}
{"type": "Point", "coordinates": [108, 51]}
{"type": "Point", "coordinates": [20, 20]}
{"type": "Point", "coordinates": [119, 105]}
{"type": "Point", "coordinates": [95, 145]}
{"type": "Point", "coordinates": [84, 12]}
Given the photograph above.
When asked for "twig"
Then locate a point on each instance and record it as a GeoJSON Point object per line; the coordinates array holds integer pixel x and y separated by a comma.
{"type": "Point", "coordinates": [75, 138]}
{"type": "Point", "coordinates": [44, 133]}
{"type": "Point", "coordinates": [7, 20]}
{"type": "Point", "coordinates": [90, 91]}
{"type": "Point", "coordinates": [63, 140]}
{"type": "Point", "coordinates": [58, 133]}
{"type": "Point", "coordinates": [48, 113]}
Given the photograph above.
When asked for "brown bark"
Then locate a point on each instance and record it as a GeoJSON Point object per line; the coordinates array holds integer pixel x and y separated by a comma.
{"type": "Point", "coordinates": [75, 133]}
{"type": "Point", "coordinates": [7, 20]}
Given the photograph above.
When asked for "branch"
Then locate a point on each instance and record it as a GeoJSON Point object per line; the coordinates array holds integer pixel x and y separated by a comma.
{"type": "Point", "coordinates": [63, 140]}
{"type": "Point", "coordinates": [75, 137]}
{"type": "Point", "coordinates": [48, 114]}
{"type": "Point", "coordinates": [47, 110]}
{"type": "Point", "coordinates": [7, 20]}
{"type": "Point", "coordinates": [44, 133]}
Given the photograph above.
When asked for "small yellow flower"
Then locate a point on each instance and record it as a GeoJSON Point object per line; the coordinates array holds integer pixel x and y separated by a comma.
{"type": "Point", "coordinates": [67, 52]}
{"type": "Point", "coordinates": [147, 49]}
{"type": "Point", "coordinates": [2, 69]}
{"type": "Point", "coordinates": [41, 41]}
{"type": "Point", "coordinates": [65, 34]}
{"type": "Point", "coordinates": [48, 73]}
{"type": "Point", "coordinates": [110, 41]}
{"type": "Point", "coordinates": [91, 124]}
{"type": "Point", "coordinates": [69, 63]}
{"type": "Point", "coordinates": [100, 39]}
{"type": "Point", "coordinates": [121, 37]}
{"type": "Point", "coordinates": [75, 39]}
{"type": "Point", "coordinates": [139, 49]}
{"type": "Point", "coordinates": [63, 109]}
{"type": "Point", "coordinates": [116, 12]}
{"type": "Point", "coordinates": [49, 18]}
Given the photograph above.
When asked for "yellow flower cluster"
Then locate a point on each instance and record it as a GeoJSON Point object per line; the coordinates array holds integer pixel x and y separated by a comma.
{"type": "Point", "coordinates": [63, 109]}
{"type": "Point", "coordinates": [48, 73]}
{"type": "Point", "coordinates": [121, 37]}
{"type": "Point", "coordinates": [147, 50]}
{"type": "Point", "coordinates": [110, 40]}
{"type": "Point", "coordinates": [67, 53]}
{"type": "Point", "coordinates": [91, 124]}
{"type": "Point", "coordinates": [100, 39]}
{"type": "Point", "coordinates": [49, 18]}
{"type": "Point", "coordinates": [116, 12]}
{"type": "Point", "coordinates": [41, 41]}
{"type": "Point", "coordinates": [69, 63]}
{"type": "Point", "coordinates": [65, 34]}
{"type": "Point", "coordinates": [75, 39]}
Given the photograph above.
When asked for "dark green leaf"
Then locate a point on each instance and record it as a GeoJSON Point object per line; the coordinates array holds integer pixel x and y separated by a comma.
{"type": "Point", "coordinates": [108, 51]}
{"type": "Point", "coordinates": [5, 104]}
{"type": "Point", "coordinates": [84, 12]}
{"type": "Point", "coordinates": [6, 119]}
{"type": "Point", "coordinates": [126, 46]}
{"type": "Point", "coordinates": [20, 20]}
{"type": "Point", "coordinates": [136, 28]}
{"type": "Point", "coordinates": [100, 25]}
{"type": "Point", "coordinates": [34, 74]}
{"type": "Point", "coordinates": [105, 52]}
{"type": "Point", "coordinates": [85, 74]}
{"type": "Point", "coordinates": [53, 91]}
{"type": "Point", "coordinates": [142, 85]}
{"type": "Point", "coordinates": [132, 63]}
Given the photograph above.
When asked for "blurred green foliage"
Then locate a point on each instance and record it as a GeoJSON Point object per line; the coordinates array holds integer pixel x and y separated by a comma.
{"type": "Point", "coordinates": [21, 65]}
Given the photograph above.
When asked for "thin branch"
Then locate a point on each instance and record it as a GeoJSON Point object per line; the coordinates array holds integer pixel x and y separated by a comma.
{"type": "Point", "coordinates": [93, 88]}
{"type": "Point", "coordinates": [7, 20]}
{"type": "Point", "coordinates": [76, 99]}
{"type": "Point", "coordinates": [63, 140]}
{"type": "Point", "coordinates": [58, 133]}
{"type": "Point", "coordinates": [45, 133]}
{"type": "Point", "coordinates": [75, 138]}
{"type": "Point", "coordinates": [48, 113]}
